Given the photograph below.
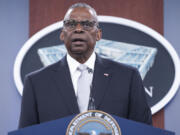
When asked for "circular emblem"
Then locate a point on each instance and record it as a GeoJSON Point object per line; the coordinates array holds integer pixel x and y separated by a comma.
{"type": "Point", "coordinates": [93, 122]}
{"type": "Point", "coordinates": [123, 41]}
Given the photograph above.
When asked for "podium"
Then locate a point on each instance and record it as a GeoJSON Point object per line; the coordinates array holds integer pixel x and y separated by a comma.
{"type": "Point", "coordinates": [61, 126]}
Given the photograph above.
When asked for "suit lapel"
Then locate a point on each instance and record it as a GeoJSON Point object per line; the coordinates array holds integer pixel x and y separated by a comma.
{"type": "Point", "coordinates": [62, 79]}
{"type": "Point", "coordinates": [102, 75]}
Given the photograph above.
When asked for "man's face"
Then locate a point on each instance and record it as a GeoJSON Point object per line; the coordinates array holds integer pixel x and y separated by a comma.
{"type": "Point", "coordinates": [80, 32]}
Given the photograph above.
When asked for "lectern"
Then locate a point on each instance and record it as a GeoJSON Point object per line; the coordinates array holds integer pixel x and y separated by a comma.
{"type": "Point", "coordinates": [91, 123]}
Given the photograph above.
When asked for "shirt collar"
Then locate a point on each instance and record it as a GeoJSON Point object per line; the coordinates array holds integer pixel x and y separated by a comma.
{"type": "Point", "coordinates": [91, 61]}
{"type": "Point", "coordinates": [73, 64]}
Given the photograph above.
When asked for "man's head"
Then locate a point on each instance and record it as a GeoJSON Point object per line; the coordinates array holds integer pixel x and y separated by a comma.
{"type": "Point", "coordinates": [80, 31]}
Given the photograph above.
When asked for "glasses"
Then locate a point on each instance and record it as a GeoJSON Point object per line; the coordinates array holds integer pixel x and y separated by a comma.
{"type": "Point", "coordinates": [86, 25]}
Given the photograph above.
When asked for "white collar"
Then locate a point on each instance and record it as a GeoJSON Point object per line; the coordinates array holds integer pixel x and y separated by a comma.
{"type": "Point", "coordinates": [73, 64]}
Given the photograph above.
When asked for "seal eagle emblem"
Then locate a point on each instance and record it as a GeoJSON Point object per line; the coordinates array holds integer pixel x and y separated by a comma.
{"type": "Point", "coordinates": [93, 122]}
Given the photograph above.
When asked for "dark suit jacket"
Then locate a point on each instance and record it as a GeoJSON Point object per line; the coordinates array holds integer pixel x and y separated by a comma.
{"type": "Point", "coordinates": [117, 89]}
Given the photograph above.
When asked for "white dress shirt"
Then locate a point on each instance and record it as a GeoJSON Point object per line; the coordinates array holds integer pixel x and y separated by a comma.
{"type": "Point", "coordinates": [73, 64]}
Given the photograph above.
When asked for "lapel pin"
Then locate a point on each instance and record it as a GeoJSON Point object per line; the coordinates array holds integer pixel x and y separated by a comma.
{"type": "Point", "coordinates": [106, 74]}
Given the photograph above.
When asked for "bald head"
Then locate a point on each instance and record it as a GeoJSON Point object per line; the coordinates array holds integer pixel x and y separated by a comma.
{"type": "Point", "coordinates": [81, 5]}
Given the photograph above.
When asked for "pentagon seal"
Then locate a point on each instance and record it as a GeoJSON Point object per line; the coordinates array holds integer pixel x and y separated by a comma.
{"type": "Point", "coordinates": [93, 122]}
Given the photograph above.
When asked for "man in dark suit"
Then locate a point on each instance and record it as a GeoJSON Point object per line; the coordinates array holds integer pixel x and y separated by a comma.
{"type": "Point", "coordinates": [52, 92]}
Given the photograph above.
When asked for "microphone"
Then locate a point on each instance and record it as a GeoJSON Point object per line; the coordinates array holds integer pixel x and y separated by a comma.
{"type": "Point", "coordinates": [90, 71]}
{"type": "Point", "coordinates": [91, 105]}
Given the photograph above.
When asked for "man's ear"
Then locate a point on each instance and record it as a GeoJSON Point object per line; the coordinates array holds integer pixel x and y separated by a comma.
{"type": "Point", "coordinates": [61, 35]}
{"type": "Point", "coordinates": [99, 35]}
